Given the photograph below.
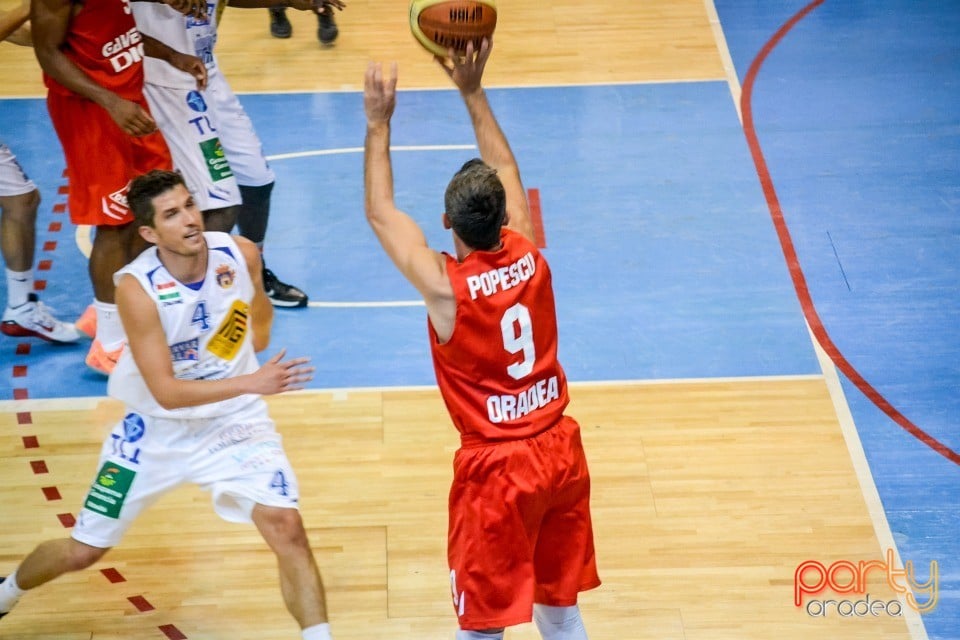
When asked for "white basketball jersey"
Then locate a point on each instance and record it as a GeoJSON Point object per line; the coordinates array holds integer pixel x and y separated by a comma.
{"type": "Point", "coordinates": [186, 34]}
{"type": "Point", "coordinates": [207, 326]}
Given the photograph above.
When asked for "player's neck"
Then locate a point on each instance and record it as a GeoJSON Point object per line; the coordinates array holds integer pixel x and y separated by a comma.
{"type": "Point", "coordinates": [186, 269]}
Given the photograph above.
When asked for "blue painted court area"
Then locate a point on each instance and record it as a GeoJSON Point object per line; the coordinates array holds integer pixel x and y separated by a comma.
{"type": "Point", "coordinates": [649, 257]}
{"type": "Point", "coordinates": [665, 260]}
{"type": "Point", "coordinates": [858, 114]}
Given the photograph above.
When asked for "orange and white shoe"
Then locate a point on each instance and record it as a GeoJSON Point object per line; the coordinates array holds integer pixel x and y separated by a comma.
{"type": "Point", "coordinates": [87, 322]}
{"type": "Point", "coordinates": [101, 360]}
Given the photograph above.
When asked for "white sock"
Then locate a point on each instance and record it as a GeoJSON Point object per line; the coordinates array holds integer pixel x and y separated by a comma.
{"type": "Point", "coordinates": [10, 592]}
{"type": "Point", "coordinates": [109, 328]}
{"type": "Point", "coordinates": [317, 632]}
{"type": "Point", "coordinates": [476, 635]}
{"type": "Point", "coordinates": [559, 623]}
{"type": "Point", "coordinates": [19, 286]}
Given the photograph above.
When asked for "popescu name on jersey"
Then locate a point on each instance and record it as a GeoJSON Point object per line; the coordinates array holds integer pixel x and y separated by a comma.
{"type": "Point", "coordinates": [125, 50]}
{"type": "Point", "coordinates": [490, 282]}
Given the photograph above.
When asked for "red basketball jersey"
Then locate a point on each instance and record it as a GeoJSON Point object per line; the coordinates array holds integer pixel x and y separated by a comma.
{"type": "Point", "coordinates": [498, 374]}
{"type": "Point", "coordinates": [102, 39]}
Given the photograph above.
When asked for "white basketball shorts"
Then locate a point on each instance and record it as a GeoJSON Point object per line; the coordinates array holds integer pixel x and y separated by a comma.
{"type": "Point", "coordinates": [13, 180]}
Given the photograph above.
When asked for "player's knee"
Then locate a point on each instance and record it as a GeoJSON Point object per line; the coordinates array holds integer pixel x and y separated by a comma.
{"type": "Point", "coordinates": [22, 209]}
{"type": "Point", "coordinates": [81, 555]}
{"type": "Point", "coordinates": [283, 529]}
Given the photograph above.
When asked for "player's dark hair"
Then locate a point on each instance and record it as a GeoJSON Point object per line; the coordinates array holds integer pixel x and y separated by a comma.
{"type": "Point", "coordinates": [144, 188]}
{"type": "Point", "coordinates": [476, 204]}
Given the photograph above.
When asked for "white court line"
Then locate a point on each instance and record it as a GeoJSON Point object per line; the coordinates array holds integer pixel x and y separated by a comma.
{"type": "Point", "coordinates": [346, 150]}
{"type": "Point", "coordinates": [89, 403]}
{"type": "Point", "coordinates": [881, 526]}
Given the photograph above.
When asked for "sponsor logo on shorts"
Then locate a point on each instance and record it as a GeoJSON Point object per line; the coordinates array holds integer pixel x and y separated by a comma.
{"type": "Point", "coordinates": [196, 102]}
{"type": "Point", "coordinates": [215, 159]}
{"type": "Point", "coordinates": [133, 427]}
{"type": "Point", "coordinates": [109, 490]}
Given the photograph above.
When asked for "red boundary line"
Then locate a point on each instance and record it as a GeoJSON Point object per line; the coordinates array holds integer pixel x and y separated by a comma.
{"type": "Point", "coordinates": [25, 418]}
{"type": "Point", "coordinates": [793, 263]}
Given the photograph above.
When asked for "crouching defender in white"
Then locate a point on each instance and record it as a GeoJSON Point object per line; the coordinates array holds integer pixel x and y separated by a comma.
{"type": "Point", "coordinates": [195, 312]}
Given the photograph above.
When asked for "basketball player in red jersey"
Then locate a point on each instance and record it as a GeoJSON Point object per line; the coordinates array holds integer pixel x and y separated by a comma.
{"type": "Point", "coordinates": [91, 55]}
{"type": "Point", "coordinates": [520, 540]}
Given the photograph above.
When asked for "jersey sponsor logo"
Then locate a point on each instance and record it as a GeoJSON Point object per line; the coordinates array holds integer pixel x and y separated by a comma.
{"type": "Point", "coordinates": [496, 280]}
{"type": "Point", "coordinates": [110, 489]}
{"type": "Point", "coordinates": [133, 427]}
{"type": "Point", "coordinates": [196, 102]}
{"type": "Point", "coordinates": [186, 351]}
{"type": "Point", "coordinates": [507, 407]}
{"type": "Point", "coordinates": [225, 276]}
{"type": "Point", "coordinates": [124, 51]}
{"type": "Point", "coordinates": [228, 339]}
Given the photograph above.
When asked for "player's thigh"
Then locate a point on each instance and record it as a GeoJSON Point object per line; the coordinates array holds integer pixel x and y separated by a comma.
{"type": "Point", "coordinates": [241, 461]}
{"type": "Point", "coordinates": [240, 141]}
{"type": "Point", "coordinates": [13, 179]}
{"type": "Point", "coordinates": [140, 461]}
{"type": "Point", "coordinates": [190, 129]}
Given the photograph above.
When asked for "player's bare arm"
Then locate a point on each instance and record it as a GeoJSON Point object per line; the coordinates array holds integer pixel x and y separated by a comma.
{"type": "Point", "coordinates": [261, 310]}
{"type": "Point", "coordinates": [148, 346]}
{"type": "Point", "coordinates": [50, 20]}
{"type": "Point", "coordinates": [13, 25]}
{"type": "Point", "coordinates": [467, 74]}
{"type": "Point", "coordinates": [400, 236]}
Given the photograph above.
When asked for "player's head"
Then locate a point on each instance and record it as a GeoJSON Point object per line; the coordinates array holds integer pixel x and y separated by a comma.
{"type": "Point", "coordinates": [476, 205]}
{"type": "Point", "coordinates": [144, 188]}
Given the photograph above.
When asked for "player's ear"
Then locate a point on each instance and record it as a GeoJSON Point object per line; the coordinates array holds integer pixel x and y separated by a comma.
{"type": "Point", "coordinates": [446, 221]}
{"type": "Point", "coordinates": [147, 233]}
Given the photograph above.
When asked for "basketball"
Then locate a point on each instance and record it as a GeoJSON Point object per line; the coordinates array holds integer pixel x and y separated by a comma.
{"type": "Point", "coordinates": [439, 25]}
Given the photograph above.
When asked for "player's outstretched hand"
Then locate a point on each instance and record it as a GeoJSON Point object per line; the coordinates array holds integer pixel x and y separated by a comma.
{"type": "Point", "coordinates": [379, 93]}
{"type": "Point", "coordinates": [467, 71]}
{"type": "Point", "coordinates": [278, 375]}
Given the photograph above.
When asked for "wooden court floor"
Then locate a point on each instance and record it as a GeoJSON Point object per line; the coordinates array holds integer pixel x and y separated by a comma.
{"type": "Point", "coordinates": [707, 494]}
{"type": "Point", "coordinates": [706, 497]}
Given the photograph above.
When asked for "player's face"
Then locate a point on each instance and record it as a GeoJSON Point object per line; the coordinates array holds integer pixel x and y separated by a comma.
{"type": "Point", "coordinates": [177, 222]}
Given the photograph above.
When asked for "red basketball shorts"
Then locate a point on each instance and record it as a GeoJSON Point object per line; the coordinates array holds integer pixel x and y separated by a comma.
{"type": "Point", "coordinates": [520, 529]}
{"type": "Point", "coordinates": [101, 159]}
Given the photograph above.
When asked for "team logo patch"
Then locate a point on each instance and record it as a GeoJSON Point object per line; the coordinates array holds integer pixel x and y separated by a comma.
{"type": "Point", "coordinates": [115, 205]}
{"type": "Point", "coordinates": [196, 102]}
{"type": "Point", "coordinates": [110, 489]}
{"type": "Point", "coordinates": [186, 351]}
{"type": "Point", "coordinates": [167, 293]}
{"type": "Point", "coordinates": [225, 276]}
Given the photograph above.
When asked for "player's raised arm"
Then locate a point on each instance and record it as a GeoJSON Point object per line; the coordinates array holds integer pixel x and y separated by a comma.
{"type": "Point", "coordinates": [467, 74]}
{"type": "Point", "coordinates": [401, 237]}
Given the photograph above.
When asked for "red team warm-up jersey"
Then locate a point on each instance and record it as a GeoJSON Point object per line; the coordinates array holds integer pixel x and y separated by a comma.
{"type": "Point", "coordinates": [498, 374]}
{"type": "Point", "coordinates": [104, 42]}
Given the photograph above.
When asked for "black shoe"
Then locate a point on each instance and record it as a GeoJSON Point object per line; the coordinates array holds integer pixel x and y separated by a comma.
{"type": "Point", "coordinates": [282, 294]}
{"type": "Point", "coordinates": [280, 26]}
{"type": "Point", "coordinates": [327, 31]}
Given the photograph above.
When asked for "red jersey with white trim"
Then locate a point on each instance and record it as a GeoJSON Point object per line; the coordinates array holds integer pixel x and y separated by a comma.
{"type": "Point", "coordinates": [102, 40]}
{"type": "Point", "coordinates": [498, 374]}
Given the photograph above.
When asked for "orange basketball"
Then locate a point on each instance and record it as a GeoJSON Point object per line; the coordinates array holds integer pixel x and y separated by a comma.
{"type": "Point", "coordinates": [439, 25]}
